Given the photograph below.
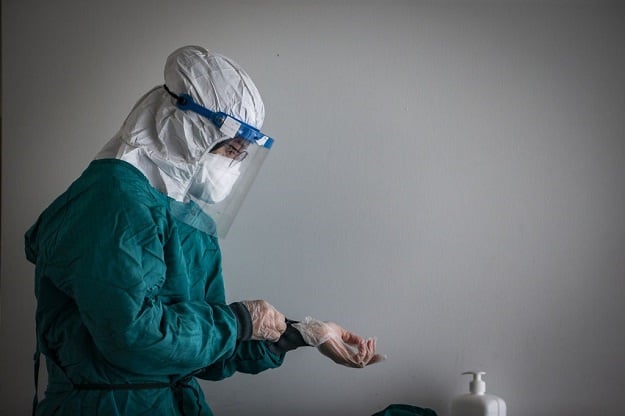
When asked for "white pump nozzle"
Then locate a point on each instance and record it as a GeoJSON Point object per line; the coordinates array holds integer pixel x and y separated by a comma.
{"type": "Point", "coordinates": [477, 385]}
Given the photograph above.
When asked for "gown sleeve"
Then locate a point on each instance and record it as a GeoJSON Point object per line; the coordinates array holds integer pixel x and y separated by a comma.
{"type": "Point", "coordinates": [253, 357]}
{"type": "Point", "coordinates": [108, 257]}
{"type": "Point", "coordinates": [250, 357]}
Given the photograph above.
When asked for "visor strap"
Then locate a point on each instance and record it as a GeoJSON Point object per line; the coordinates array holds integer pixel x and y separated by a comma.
{"type": "Point", "coordinates": [185, 102]}
{"type": "Point", "coordinates": [226, 123]}
{"type": "Point", "coordinates": [179, 99]}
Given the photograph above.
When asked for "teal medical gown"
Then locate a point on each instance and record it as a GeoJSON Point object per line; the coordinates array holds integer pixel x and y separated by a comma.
{"type": "Point", "coordinates": [131, 304]}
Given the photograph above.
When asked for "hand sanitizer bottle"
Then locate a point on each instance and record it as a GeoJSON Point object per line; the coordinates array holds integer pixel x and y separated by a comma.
{"type": "Point", "coordinates": [477, 403]}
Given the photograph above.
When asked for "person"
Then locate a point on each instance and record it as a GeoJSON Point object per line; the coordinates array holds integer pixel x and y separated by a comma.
{"type": "Point", "coordinates": [131, 308]}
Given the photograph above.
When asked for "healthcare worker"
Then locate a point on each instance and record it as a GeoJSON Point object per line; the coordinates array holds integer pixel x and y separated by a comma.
{"type": "Point", "coordinates": [131, 307]}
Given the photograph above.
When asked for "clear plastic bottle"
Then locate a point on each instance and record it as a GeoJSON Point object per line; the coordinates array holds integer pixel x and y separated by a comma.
{"type": "Point", "coordinates": [477, 402]}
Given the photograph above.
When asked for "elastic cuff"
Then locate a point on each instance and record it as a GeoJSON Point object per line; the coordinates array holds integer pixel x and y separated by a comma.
{"type": "Point", "coordinates": [290, 340]}
{"type": "Point", "coordinates": [244, 321]}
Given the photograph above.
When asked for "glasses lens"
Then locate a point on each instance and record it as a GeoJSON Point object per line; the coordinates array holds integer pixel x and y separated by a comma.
{"type": "Point", "coordinates": [236, 152]}
{"type": "Point", "coordinates": [242, 155]}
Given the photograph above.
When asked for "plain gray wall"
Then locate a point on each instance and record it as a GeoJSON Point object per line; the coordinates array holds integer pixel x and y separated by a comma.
{"type": "Point", "coordinates": [448, 177]}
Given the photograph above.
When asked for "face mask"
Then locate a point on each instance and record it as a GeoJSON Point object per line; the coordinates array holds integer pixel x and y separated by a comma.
{"type": "Point", "coordinates": [215, 179]}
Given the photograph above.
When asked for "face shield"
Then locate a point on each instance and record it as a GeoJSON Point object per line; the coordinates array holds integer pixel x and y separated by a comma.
{"type": "Point", "coordinates": [198, 140]}
{"type": "Point", "coordinates": [225, 173]}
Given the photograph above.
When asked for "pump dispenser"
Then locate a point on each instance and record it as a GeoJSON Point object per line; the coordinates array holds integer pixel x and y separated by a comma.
{"type": "Point", "coordinates": [477, 402]}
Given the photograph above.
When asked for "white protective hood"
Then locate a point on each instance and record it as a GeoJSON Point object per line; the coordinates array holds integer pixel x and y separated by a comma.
{"type": "Point", "coordinates": [167, 144]}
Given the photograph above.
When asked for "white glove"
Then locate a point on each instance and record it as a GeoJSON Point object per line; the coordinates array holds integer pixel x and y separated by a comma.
{"type": "Point", "coordinates": [267, 322]}
{"type": "Point", "coordinates": [341, 346]}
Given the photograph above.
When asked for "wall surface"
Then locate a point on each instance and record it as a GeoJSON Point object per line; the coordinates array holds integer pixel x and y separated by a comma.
{"type": "Point", "coordinates": [448, 177]}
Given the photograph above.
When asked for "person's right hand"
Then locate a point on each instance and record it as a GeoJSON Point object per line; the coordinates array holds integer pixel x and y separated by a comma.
{"type": "Point", "coordinates": [267, 322]}
{"type": "Point", "coordinates": [348, 349]}
{"type": "Point", "coordinates": [341, 346]}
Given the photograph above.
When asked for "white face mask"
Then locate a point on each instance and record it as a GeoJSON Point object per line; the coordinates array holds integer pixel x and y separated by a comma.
{"type": "Point", "coordinates": [215, 179]}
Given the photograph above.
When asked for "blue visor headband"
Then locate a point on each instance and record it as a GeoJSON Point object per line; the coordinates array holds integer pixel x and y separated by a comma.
{"type": "Point", "coordinates": [228, 125]}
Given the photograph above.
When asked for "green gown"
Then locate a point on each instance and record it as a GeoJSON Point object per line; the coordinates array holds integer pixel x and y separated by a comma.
{"type": "Point", "coordinates": [130, 302]}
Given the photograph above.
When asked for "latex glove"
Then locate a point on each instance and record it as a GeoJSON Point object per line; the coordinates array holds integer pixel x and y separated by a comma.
{"type": "Point", "coordinates": [267, 322]}
{"type": "Point", "coordinates": [341, 346]}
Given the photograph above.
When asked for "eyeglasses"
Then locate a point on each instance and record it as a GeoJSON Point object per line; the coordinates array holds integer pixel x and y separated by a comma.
{"type": "Point", "coordinates": [227, 124]}
{"type": "Point", "coordinates": [228, 150]}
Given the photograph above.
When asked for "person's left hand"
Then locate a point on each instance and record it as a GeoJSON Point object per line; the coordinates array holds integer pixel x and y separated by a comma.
{"type": "Point", "coordinates": [267, 322]}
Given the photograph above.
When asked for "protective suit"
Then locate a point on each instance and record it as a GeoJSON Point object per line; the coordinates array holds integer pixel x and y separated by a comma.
{"type": "Point", "coordinates": [131, 304]}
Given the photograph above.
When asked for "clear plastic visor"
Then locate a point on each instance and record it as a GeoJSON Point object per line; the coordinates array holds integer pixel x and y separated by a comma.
{"type": "Point", "coordinates": [224, 174]}
{"type": "Point", "coordinates": [223, 180]}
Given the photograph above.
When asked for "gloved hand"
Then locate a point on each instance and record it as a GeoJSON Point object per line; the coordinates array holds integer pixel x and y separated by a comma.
{"type": "Point", "coordinates": [341, 346]}
{"type": "Point", "coordinates": [267, 322]}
